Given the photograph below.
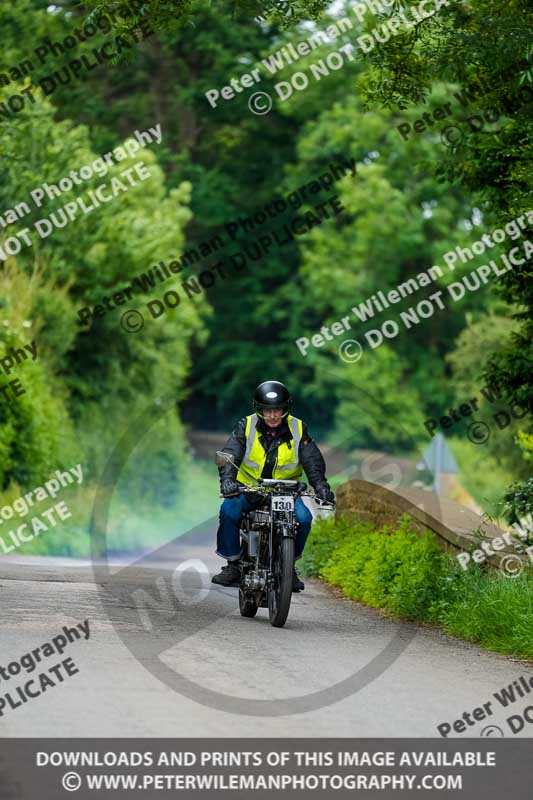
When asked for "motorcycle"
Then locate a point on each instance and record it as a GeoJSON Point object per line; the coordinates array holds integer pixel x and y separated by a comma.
{"type": "Point", "coordinates": [267, 544]}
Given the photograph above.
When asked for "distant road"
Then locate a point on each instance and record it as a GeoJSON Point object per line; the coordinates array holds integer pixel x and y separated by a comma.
{"type": "Point", "coordinates": [205, 443]}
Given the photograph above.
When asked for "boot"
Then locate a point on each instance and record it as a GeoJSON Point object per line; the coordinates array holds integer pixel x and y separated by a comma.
{"type": "Point", "coordinates": [297, 584]}
{"type": "Point", "coordinates": [229, 575]}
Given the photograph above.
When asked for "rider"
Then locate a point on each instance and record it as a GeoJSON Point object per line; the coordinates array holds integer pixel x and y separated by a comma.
{"type": "Point", "coordinates": [271, 444]}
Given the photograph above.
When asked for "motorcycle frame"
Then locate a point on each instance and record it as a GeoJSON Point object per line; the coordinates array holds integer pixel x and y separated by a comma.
{"type": "Point", "coordinates": [287, 528]}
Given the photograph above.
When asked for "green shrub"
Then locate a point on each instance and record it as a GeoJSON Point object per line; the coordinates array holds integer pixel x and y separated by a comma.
{"type": "Point", "coordinates": [518, 501]}
{"type": "Point", "coordinates": [325, 537]}
{"type": "Point", "coordinates": [408, 575]}
{"type": "Point", "coordinates": [387, 569]}
{"type": "Point", "coordinates": [36, 435]}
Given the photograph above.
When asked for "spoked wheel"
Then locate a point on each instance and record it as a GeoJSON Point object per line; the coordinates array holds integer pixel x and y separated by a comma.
{"type": "Point", "coordinates": [279, 596]}
{"type": "Point", "coordinates": [247, 605]}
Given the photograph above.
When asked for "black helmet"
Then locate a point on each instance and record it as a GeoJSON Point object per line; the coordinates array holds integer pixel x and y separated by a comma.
{"type": "Point", "coordinates": [272, 394]}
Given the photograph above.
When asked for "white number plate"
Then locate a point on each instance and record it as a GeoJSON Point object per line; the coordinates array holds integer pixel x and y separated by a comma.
{"type": "Point", "coordinates": [285, 503]}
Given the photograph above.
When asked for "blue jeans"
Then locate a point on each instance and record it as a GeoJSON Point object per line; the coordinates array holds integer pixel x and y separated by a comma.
{"type": "Point", "coordinates": [231, 510]}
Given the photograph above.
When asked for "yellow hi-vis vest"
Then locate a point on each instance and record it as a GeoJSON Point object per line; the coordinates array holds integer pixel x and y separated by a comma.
{"type": "Point", "coordinates": [287, 466]}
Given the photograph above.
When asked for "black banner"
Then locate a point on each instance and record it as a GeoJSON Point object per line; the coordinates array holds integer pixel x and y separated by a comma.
{"type": "Point", "coordinates": [53, 769]}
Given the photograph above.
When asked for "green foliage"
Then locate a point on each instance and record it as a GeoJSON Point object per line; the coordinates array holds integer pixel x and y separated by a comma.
{"type": "Point", "coordinates": [481, 472]}
{"type": "Point", "coordinates": [478, 339]}
{"type": "Point", "coordinates": [138, 524]}
{"type": "Point", "coordinates": [376, 405]}
{"type": "Point", "coordinates": [473, 346]}
{"type": "Point", "coordinates": [491, 44]}
{"type": "Point", "coordinates": [203, 358]}
{"type": "Point", "coordinates": [135, 521]}
{"type": "Point", "coordinates": [398, 223]}
{"type": "Point", "coordinates": [518, 501]}
{"type": "Point", "coordinates": [95, 380]}
{"type": "Point", "coordinates": [392, 570]}
{"type": "Point", "coordinates": [510, 366]}
{"type": "Point", "coordinates": [493, 611]}
{"type": "Point", "coordinates": [325, 537]}
{"type": "Point", "coordinates": [167, 15]}
{"type": "Point", "coordinates": [409, 576]}
{"type": "Point", "coordinates": [36, 434]}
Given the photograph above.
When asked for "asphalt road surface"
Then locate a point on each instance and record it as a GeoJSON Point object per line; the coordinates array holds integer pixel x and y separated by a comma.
{"type": "Point", "coordinates": [236, 676]}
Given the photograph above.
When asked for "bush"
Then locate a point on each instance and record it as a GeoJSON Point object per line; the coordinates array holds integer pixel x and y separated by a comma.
{"type": "Point", "coordinates": [326, 535]}
{"type": "Point", "coordinates": [518, 502]}
{"type": "Point", "coordinates": [409, 576]}
{"type": "Point", "coordinates": [388, 569]}
{"type": "Point", "coordinates": [36, 433]}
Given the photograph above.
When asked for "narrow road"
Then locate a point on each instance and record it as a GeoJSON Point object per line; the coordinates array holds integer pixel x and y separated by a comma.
{"type": "Point", "coordinates": [166, 666]}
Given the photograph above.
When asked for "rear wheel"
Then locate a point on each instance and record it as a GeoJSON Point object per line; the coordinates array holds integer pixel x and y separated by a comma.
{"type": "Point", "coordinates": [247, 605]}
{"type": "Point", "coordinates": [279, 596]}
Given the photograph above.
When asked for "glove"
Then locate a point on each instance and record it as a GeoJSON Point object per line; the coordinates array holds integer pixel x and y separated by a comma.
{"type": "Point", "coordinates": [323, 492]}
{"type": "Point", "coordinates": [229, 487]}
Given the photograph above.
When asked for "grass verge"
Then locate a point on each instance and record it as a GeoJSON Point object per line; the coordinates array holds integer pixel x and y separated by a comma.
{"type": "Point", "coordinates": [412, 578]}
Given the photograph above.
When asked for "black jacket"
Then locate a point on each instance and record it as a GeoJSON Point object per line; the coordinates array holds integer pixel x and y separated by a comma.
{"type": "Point", "coordinates": [309, 455]}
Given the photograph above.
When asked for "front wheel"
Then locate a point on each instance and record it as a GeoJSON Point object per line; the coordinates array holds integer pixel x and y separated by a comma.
{"type": "Point", "coordinates": [279, 596]}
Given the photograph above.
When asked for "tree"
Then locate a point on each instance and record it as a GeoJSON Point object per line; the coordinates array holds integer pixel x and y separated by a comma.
{"type": "Point", "coordinates": [468, 44]}
{"type": "Point", "coordinates": [101, 374]}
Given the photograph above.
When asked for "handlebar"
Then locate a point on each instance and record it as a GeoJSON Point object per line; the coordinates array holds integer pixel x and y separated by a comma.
{"type": "Point", "coordinates": [268, 486]}
{"type": "Point", "coordinates": [272, 489]}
